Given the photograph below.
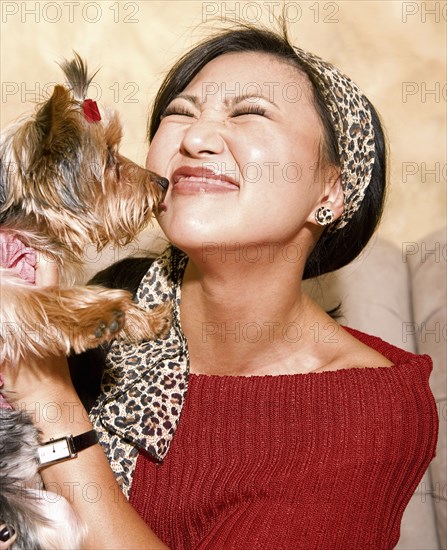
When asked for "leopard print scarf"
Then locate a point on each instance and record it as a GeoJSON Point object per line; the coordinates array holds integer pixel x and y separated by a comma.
{"type": "Point", "coordinates": [352, 121]}
{"type": "Point", "coordinates": [144, 385]}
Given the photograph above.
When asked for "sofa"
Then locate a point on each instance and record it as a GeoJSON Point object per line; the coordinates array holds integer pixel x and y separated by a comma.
{"type": "Point", "coordinates": [398, 294]}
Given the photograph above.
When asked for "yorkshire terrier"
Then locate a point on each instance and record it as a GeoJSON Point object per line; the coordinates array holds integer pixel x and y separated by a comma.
{"type": "Point", "coordinates": [63, 186]}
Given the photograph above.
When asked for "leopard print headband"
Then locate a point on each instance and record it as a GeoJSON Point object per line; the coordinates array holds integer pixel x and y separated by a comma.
{"type": "Point", "coordinates": [352, 121]}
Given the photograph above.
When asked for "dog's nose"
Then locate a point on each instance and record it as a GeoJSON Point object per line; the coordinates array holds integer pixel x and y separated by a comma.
{"type": "Point", "coordinates": [163, 182]}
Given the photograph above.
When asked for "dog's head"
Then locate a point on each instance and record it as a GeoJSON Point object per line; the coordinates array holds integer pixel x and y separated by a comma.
{"type": "Point", "coordinates": [61, 173]}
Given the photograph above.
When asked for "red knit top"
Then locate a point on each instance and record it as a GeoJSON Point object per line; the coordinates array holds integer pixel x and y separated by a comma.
{"type": "Point", "coordinates": [323, 460]}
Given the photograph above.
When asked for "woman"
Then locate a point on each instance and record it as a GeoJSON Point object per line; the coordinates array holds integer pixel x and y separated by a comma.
{"type": "Point", "coordinates": [242, 429]}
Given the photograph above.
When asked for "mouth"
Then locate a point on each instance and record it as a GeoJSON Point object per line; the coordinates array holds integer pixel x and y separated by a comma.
{"type": "Point", "coordinates": [202, 179]}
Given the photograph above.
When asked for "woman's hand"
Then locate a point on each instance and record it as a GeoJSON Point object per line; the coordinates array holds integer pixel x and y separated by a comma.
{"type": "Point", "coordinates": [43, 387]}
{"type": "Point", "coordinates": [7, 536]}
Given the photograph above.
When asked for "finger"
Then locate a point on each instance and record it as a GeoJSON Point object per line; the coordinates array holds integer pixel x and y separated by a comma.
{"type": "Point", "coordinates": [7, 536]}
{"type": "Point", "coordinates": [47, 272]}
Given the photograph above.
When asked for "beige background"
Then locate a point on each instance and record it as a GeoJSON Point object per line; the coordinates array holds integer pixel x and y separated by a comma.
{"type": "Point", "coordinates": [394, 50]}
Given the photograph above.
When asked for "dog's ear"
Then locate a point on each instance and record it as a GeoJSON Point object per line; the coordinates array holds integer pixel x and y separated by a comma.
{"type": "Point", "coordinates": [55, 144]}
{"type": "Point", "coordinates": [57, 126]}
{"type": "Point", "coordinates": [113, 132]}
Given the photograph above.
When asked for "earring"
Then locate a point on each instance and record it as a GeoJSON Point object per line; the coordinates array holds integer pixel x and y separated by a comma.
{"type": "Point", "coordinates": [324, 216]}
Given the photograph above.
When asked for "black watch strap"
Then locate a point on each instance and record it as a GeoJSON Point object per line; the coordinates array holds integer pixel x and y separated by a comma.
{"type": "Point", "coordinates": [84, 441]}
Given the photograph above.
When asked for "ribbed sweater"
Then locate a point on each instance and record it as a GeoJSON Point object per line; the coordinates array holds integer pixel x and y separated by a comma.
{"type": "Point", "coordinates": [323, 460]}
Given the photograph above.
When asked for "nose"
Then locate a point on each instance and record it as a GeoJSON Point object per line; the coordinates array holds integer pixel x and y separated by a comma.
{"type": "Point", "coordinates": [162, 182]}
{"type": "Point", "coordinates": [202, 139]}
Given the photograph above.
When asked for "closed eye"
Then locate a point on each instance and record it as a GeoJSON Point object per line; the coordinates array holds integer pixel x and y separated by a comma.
{"type": "Point", "coordinates": [176, 110]}
{"type": "Point", "coordinates": [249, 110]}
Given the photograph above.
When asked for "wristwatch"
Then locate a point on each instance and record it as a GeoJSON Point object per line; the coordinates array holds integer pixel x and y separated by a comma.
{"type": "Point", "coordinates": [65, 448]}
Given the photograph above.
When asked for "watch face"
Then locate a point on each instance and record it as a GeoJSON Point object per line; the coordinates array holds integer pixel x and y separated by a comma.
{"type": "Point", "coordinates": [54, 450]}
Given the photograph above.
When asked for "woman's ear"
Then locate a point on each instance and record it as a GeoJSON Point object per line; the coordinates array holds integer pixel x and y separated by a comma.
{"type": "Point", "coordinates": [332, 197]}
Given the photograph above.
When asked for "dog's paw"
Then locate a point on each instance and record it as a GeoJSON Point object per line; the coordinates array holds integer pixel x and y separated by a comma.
{"type": "Point", "coordinates": [108, 328]}
{"type": "Point", "coordinates": [162, 319]}
{"type": "Point", "coordinates": [99, 318]}
{"type": "Point", "coordinates": [147, 325]}
{"type": "Point", "coordinates": [99, 328]}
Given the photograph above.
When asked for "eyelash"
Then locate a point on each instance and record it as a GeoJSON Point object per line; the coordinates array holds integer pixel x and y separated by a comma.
{"type": "Point", "coordinates": [172, 110]}
{"type": "Point", "coordinates": [250, 110]}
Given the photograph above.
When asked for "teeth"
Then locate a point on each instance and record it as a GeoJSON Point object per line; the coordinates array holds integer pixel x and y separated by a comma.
{"type": "Point", "coordinates": [197, 179]}
{"type": "Point", "coordinates": [205, 180]}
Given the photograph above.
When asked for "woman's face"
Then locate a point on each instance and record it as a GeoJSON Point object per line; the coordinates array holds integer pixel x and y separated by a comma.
{"type": "Point", "coordinates": [240, 147]}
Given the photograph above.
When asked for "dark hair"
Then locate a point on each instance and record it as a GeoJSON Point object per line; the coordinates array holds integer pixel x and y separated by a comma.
{"type": "Point", "coordinates": [334, 249]}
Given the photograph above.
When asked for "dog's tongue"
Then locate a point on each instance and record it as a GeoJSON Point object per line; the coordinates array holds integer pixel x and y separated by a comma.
{"type": "Point", "coordinates": [15, 255]}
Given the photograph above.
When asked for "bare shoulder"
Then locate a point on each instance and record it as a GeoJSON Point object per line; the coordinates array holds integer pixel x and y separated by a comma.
{"type": "Point", "coordinates": [352, 353]}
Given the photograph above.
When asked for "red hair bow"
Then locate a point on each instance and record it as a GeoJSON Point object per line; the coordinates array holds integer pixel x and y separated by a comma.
{"type": "Point", "coordinates": [91, 111]}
